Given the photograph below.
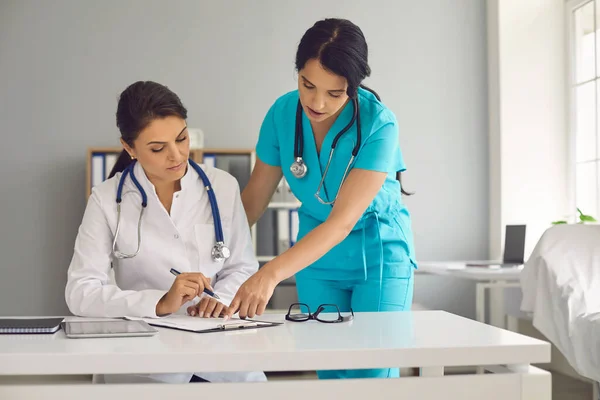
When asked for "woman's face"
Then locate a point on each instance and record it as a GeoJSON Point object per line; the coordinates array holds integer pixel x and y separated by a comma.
{"type": "Point", "coordinates": [322, 93]}
{"type": "Point", "coordinates": [162, 149]}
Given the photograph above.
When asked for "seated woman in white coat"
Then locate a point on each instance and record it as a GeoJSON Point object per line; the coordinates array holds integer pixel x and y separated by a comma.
{"type": "Point", "coordinates": [179, 229]}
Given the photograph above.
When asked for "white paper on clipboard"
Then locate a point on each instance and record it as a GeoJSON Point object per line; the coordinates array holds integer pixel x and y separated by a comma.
{"type": "Point", "coordinates": [197, 324]}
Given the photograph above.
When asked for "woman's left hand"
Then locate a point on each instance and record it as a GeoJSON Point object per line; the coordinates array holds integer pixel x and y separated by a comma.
{"type": "Point", "coordinates": [252, 297]}
{"type": "Point", "coordinates": [208, 307]}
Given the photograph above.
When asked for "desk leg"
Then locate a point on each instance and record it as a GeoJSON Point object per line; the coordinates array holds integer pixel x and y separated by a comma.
{"type": "Point", "coordinates": [480, 310]}
{"type": "Point", "coordinates": [497, 317]}
{"type": "Point", "coordinates": [480, 302]}
{"type": "Point", "coordinates": [512, 323]}
{"type": "Point", "coordinates": [536, 382]}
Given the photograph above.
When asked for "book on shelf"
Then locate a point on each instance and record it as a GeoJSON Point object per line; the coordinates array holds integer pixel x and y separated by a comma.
{"type": "Point", "coordinates": [238, 162]}
{"type": "Point", "coordinates": [277, 231]}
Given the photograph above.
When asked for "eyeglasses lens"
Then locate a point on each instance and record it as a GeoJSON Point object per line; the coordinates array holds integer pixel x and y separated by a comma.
{"type": "Point", "coordinates": [299, 312]}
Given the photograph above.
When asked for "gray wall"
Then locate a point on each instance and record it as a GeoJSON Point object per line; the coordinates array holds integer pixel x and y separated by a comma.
{"type": "Point", "coordinates": [63, 64]}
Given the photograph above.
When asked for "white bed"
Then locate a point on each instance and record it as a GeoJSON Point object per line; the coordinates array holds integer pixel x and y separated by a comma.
{"type": "Point", "coordinates": [561, 292]}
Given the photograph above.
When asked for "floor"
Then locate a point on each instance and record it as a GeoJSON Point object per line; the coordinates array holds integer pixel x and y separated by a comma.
{"type": "Point", "coordinates": [566, 388]}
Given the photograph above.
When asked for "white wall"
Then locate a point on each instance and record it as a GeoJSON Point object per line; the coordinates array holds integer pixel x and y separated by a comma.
{"type": "Point", "coordinates": [528, 118]}
{"type": "Point", "coordinates": [63, 64]}
{"type": "Point", "coordinates": [528, 141]}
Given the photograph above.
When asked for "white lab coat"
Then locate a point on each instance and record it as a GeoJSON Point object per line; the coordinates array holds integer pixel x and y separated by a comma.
{"type": "Point", "coordinates": [182, 240]}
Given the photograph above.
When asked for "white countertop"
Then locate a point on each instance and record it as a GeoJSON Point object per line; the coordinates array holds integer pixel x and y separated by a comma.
{"type": "Point", "coordinates": [398, 339]}
{"type": "Point", "coordinates": [459, 269]}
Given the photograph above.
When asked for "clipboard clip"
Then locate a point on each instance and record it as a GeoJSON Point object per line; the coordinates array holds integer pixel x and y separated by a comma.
{"type": "Point", "coordinates": [239, 325]}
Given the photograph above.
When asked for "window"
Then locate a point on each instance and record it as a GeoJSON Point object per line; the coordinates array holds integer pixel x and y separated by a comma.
{"type": "Point", "coordinates": [584, 41]}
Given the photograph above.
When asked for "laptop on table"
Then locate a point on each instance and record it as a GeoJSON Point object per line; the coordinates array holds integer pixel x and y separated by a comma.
{"type": "Point", "coordinates": [514, 249]}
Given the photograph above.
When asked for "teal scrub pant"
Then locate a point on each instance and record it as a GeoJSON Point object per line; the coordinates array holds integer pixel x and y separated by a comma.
{"type": "Point", "coordinates": [362, 296]}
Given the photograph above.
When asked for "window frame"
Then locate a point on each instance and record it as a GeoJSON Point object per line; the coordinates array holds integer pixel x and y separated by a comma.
{"type": "Point", "coordinates": [570, 7]}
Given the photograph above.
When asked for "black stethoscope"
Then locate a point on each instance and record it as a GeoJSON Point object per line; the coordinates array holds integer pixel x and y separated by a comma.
{"type": "Point", "coordinates": [219, 252]}
{"type": "Point", "coordinates": [299, 168]}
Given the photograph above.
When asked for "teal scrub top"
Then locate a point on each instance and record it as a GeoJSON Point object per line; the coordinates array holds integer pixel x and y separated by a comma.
{"type": "Point", "coordinates": [381, 243]}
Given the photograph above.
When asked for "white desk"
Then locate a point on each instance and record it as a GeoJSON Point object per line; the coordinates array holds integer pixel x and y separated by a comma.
{"type": "Point", "coordinates": [493, 279]}
{"type": "Point", "coordinates": [431, 340]}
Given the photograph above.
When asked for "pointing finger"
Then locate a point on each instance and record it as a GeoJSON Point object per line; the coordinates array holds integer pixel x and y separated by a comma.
{"type": "Point", "coordinates": [233, 307]}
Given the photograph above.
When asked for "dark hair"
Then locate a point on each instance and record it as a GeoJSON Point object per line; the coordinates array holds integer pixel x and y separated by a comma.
{"type": "Point", "coordinates": [341, 48]}
{"type": "Point", "coordinates": [139, 104]}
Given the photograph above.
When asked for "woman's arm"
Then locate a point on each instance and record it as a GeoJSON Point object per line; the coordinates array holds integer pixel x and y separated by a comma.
{"type": "Point", "coordinates": [356, 194]}
{"type": "Point", "coordinates": [259, 190]}
{"type": "Point", "coordinates": [88, 291]}
{"type": "Point", "coordinates": [242, 263]}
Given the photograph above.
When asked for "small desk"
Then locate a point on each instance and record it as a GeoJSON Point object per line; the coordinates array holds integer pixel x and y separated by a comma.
{"type": "Point", "coordinates": [430, 340]}
{"type": "Point", "coordinates": [494, 279]}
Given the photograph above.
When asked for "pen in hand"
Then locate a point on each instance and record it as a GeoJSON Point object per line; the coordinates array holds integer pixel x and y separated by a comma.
{"type": "Point", "coordinates": [208, 292]}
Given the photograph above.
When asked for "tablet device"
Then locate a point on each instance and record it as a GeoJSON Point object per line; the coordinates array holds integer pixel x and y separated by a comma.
{"type": "Point", "coordinates": [107, 329]}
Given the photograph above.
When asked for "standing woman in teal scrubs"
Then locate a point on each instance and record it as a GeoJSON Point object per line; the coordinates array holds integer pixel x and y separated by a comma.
{"type": "Point", "coordinates": [355, 245]}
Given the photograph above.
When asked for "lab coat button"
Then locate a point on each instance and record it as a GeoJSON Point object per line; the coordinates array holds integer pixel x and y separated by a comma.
{"type": "Point", "coordinates": [176, 236]}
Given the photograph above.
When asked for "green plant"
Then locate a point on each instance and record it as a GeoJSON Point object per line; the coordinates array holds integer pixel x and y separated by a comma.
{"type": "Point", "coordinates": [582, 219]}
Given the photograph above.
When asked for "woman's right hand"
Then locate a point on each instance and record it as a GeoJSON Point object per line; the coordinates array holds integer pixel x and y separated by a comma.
{"type": "Point", "coordinates": [186, 287]}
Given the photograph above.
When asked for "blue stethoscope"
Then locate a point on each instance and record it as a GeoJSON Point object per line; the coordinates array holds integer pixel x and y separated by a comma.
{"type": "Point", "coordinates": [219, 252]}
{"type": "Point", "coordinates": [299, 168]}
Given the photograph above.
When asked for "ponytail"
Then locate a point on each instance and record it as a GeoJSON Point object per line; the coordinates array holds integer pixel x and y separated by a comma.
{"type": "Point", "coordinates": [123, 162]}
{"type": "Point", "coordinates": [368, 89]}
{"type": "Point", "coordinates": [399, 178]}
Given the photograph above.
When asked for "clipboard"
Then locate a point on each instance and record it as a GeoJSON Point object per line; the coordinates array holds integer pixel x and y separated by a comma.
{"type": "Point", "coordinates": [205, 325]}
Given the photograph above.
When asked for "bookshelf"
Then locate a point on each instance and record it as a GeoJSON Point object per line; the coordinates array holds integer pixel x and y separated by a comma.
{"type": "Point", "coordinates": [110, 155]}
{"type": "Point", "coordinates": [274, 233]}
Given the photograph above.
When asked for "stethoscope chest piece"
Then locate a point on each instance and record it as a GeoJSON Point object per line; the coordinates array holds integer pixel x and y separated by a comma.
{"type": "Point", "coordinates": [299, 168]}
{"type": "Point", "coordinates": [220, 252]}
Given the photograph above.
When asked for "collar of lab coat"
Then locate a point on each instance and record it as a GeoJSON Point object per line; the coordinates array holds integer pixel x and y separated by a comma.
{"type": "Point", "coordinates": [186, 181]}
